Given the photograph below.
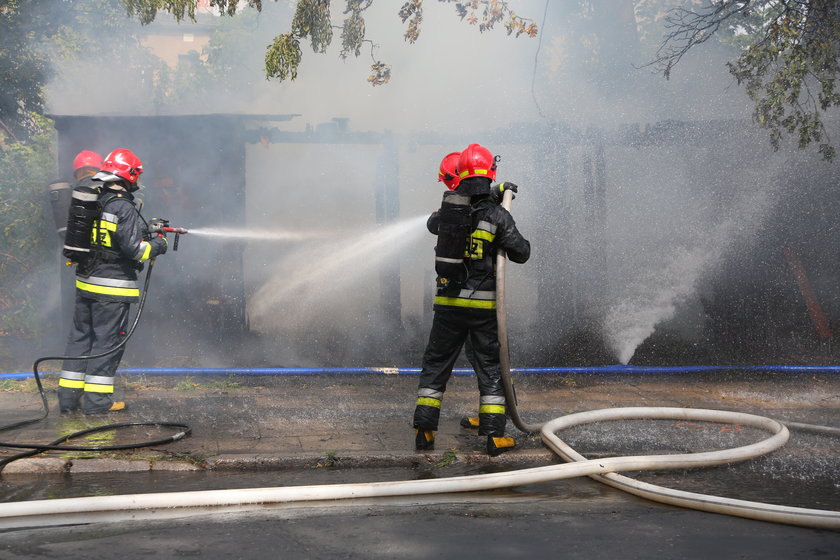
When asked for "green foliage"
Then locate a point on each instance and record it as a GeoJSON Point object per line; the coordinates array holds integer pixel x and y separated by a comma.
{"type": "Point", "coordinates": [312, 19]}
{"type": "Point", "coordinates": [789, 62]}
{"type": "Point", "coordinates": [487, 13]}
{"type": "Point", "coordinates": [353, 30]}
{"type": "Point", "coordinates": [23, 68]}
{"type": "Point", "coordinates": [283, 57]}
{"type": "Point", "coordinates": [33, 45]}
{"type": "Point", "coordinates": [312, 22]}
{"type": "Point", "coordinates": [791, 74]}
{"type": "Point", "coordinates": [146, 10]}
{"type": "Point", "coordinates": [26, 168]}
{"type": "Point", "coordinates": [413, 13]}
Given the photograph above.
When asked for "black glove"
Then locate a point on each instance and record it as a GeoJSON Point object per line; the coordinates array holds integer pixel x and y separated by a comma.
{"type": "Point", "coordinates": [498, 191]}
{"type": "Point", "coordinates": [159, 245]}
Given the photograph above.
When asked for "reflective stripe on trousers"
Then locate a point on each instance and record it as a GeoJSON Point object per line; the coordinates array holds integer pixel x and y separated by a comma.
{"type": "Point", "coordinates": [72, 379]}
{"type": "Point", "coordinates": [472, 299]}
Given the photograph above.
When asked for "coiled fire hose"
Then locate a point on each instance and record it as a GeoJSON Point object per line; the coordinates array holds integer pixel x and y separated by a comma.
{"type": "Point", "coordinates": [69, 510]}
{"type": "Point", "coordinates": [35, 448]}
{"type": "Point", "coordinates": [45, 512]}
{"type": "Point", "coordinates": [652, 492]}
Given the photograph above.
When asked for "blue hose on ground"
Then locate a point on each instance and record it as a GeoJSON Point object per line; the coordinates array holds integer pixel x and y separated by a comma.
{"type": "Point", "coordinates": [36, 448]}
{"type": "Point", "coordinates": [560, 370]}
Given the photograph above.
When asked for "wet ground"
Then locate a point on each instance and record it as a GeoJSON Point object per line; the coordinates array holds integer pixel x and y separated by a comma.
{"type": "Point", "coordinates": [365, 420]}
{"type": "Point", "coordinates": [303, 430]}
{"type": "Point", "coordinates": [577, 519]}
{"type": "Point", "coordinates": [779, 479]}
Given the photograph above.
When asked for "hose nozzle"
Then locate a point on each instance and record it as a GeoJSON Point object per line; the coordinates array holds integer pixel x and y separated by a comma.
{"type": "Point", "coordinates": [178, 230]}
{"type": "Point", "coordinates": [161, 227]}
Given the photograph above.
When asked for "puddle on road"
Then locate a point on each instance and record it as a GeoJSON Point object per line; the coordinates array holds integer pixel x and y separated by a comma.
{"type": "Point", "coordinates": [813, 483]}
{"type": "Point", "coordinates": [803, 473]}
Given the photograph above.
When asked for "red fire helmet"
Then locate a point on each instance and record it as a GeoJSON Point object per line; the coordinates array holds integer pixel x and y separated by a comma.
{"type": "Point", "coordinates": [476, 161]}
{"type": "Point", "coordinates": [124, 164]}
{"type": "Point", "coordinates": [86, 158]}
{"type": "Point", "coordinates": [449, 171]}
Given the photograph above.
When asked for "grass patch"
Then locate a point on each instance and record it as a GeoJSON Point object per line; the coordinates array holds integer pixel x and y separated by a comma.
{"type": "Point", "coordinates": [568, 381]}
{"type": "Point", "coordinates": [190, 384]}
{"type": "Point", "coordinates": [449, 457]}
{"type": "Point", "coordinates": [197, 460]}
{"type": "Point", "coordinates": [332, 460]}
{"type": "Point", "coordinates": [27, 385]}
{"type": "Point", "coordinates": [187, 385]}
{"type": "Point", "coordinates": [224, 385]}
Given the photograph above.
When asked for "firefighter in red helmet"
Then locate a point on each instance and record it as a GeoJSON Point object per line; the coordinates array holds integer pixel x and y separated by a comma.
{"type": "Point", "coordinates": [471, 227]}
{"type": "Point", "coordinates": [86, 164]}
{"type": "Point", "coordinates": [448, 173]}
{"type": "Point", "coordinates": [83, 194]}
{"type": "Point", "coordinates": [106, 284]}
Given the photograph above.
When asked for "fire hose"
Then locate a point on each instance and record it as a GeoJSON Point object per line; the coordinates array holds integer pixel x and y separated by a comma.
{"type": "Point", "coordinates": [68, 510]}
{"type": "Point", "coordinates": [651, 492]}
{"type": "Point", "coordinates": [159, 227]}
{"type": "Point", "coordinates": [58, 510]}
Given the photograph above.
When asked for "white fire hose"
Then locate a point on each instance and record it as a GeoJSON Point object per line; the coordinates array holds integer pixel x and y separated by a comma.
{"type": "Point", "coordinates": [33, 513]}
{"type": "Point", "coordinates": [46, 512]}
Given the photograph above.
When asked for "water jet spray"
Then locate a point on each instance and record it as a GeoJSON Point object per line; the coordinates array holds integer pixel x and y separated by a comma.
{"type": "Point", "coordinates": [257, 235]}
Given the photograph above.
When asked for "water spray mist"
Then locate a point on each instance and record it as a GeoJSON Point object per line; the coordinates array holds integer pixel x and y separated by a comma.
{"type": "Point", "coordinates": [257, 235]}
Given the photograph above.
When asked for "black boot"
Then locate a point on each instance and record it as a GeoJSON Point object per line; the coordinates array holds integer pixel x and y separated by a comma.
{"type": "Point", "coordinates": [424, 440]}
{"type": "Point", "coordinates": [470, 422]}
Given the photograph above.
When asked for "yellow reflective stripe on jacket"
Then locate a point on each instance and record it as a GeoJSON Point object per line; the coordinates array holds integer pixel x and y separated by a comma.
{"type": "Point", "coordinates": [481, 234]}
{"type": "Point", "coordinates": [71, 383]}
{"type": "Point", "coordinates": [426, 401]}
{"type": "Point", "coordinates": [106, 225]}
{"type": "Point", "coordinates": [107, 290]}
{"type": "Point", "coordinates": [465, 302]}
{"type": "Point", "coordinates": [102, 229]}
{"type": "Point", "coordinates": [491, 409]}
{"type": "Point", "coordinates": [147, 250]}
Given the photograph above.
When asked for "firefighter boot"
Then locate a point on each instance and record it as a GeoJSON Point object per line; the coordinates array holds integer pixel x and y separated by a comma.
{"type": "Point", "coordinates": [470, 422]}
{"type": "Point", "coordinates": [116, 407]}
{"type": "Point", "coordinates": [498, 445]}
{"type": "Point", "coordinates": [68, 400]}
{"type": "Point", "coordinates": [424, 440]}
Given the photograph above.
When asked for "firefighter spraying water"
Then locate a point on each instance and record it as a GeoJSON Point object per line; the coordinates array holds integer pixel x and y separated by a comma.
{"type": "Point", "coordinates": [109, 241]}
{"type": "Point", "coordinates": [471, 227]}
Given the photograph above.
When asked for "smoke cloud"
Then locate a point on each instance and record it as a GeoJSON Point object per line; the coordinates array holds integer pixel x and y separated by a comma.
{"type": "Point", "coordinates": [641, 197]}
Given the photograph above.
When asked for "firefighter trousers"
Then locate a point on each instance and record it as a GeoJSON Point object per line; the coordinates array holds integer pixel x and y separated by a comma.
{"type": "Point", "coordinates": [97, 327]}
{"type": "Point", "coordinates": [451, 328]}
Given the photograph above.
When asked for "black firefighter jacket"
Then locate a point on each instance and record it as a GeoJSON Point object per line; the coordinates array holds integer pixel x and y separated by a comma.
{"type": "Point", "coordinates": [493, 228]}
{"type": "Point", "coordinates": [111, 275]}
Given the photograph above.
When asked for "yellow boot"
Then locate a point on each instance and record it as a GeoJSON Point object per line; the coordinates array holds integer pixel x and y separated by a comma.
{"type": "Point", "coordinates": [498, 445]}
